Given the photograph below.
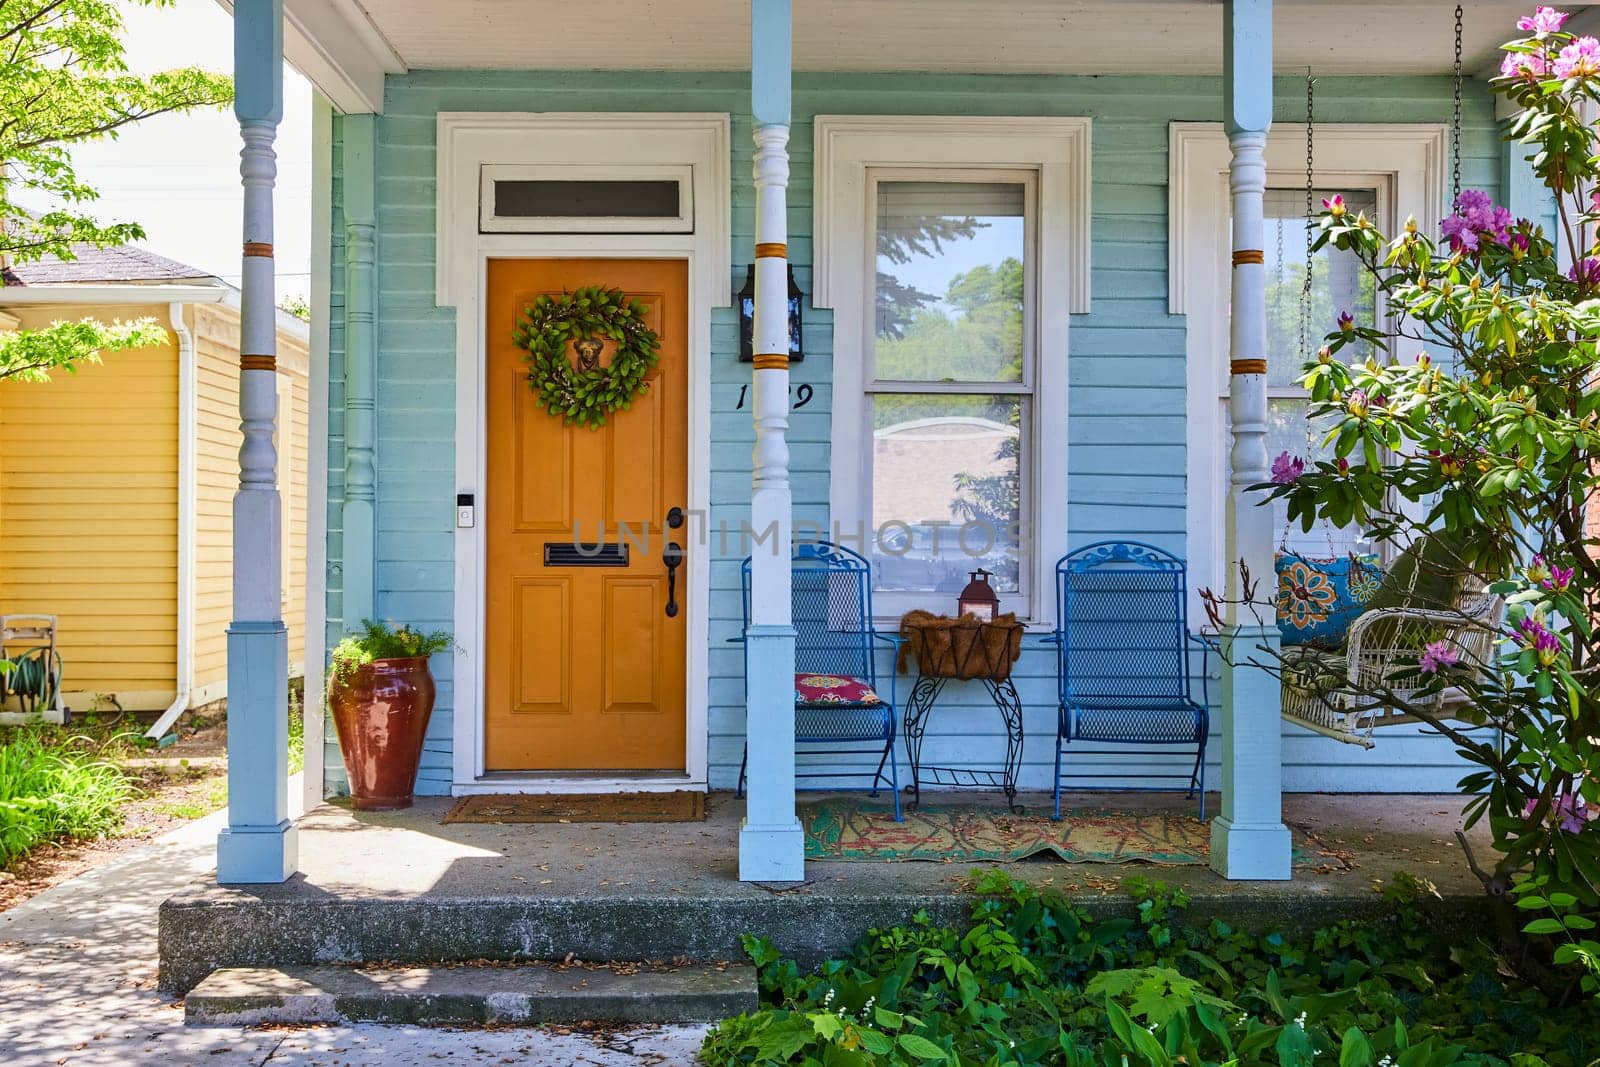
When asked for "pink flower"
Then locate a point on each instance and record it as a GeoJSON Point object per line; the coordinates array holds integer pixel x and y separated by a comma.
{"type": "Point", "coordinates": [1530, 65]}
{"type": "Point", "coordinates": [1543, 643]}
{"type": "Point", "coordinates": [1543, 20]}
{"type": "Point", "coordinates": [1476, 217]}
{"type": "Point", "coordinates": [1570, 812]}
{"type": "Point", "coordinates": [1334, 205]}
{"type": "Point", "coordinates": [1343, 465]}
{"type": "Point", "coordinates": [1586, 271]}
{"type": "Point", "coordinates": [1463, 238]}
{"type": "Point", "coordinates": [1560, 578]}
{"type": "Point", "coordinates": [1580, 59]}
{"type": "Point", "coordinates": [1436, 656]}
{"type": "Point", "coordinates": [1287, 469]}
{"type": "Point", "coordinates": [1537, 571]}
{"type": "Point", "coordinates": [1347, 322]}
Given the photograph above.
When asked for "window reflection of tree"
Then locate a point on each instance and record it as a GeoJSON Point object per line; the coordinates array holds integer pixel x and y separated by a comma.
{"type": "Point", "coordinates": [978, 339]}
{"type": "Point", "coordinates": [920, 237]}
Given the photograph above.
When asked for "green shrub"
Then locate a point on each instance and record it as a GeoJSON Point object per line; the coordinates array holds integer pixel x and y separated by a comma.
{"type": "Point", "coordinates": [1036, 981]}
{"type": "Point", "coordinates": [52, 787]}
{"type": "Point", "coordinates": [379, 640]}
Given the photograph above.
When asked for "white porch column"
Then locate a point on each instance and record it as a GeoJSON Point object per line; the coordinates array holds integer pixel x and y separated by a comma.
{"type": "Point", "coordinates": [359, 150]}
{"type": "Point", "coordinates": [1249, 840]}
{"type": "Point", "coordinates": [771, 845]}
{"type": "Point", "coordinates": [259, 842]}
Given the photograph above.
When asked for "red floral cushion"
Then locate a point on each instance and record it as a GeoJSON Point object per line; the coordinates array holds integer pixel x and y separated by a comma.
{"type": "Point", "coordinates": [812, 690]}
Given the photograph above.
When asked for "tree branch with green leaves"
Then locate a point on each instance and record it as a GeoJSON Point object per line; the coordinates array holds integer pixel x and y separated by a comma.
{"type": "Point", "coordinates": [64, 81]}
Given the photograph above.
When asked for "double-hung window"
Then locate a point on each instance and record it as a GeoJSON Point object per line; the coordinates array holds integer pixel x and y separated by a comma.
{"type": "Point", "coordinates": [950, 384]}
{"type": "Point", "coordinates": [953, 251]}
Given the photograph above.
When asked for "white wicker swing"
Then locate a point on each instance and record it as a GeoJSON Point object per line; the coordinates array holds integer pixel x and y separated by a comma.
{"type": "Point", "coordinates": [1322, 691]}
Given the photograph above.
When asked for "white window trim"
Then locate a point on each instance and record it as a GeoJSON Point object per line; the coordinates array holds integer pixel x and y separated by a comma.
{"type": "Point", "coordinates": [1057, 152]}
{"type": "Point", "coordinates": [1411, 157]}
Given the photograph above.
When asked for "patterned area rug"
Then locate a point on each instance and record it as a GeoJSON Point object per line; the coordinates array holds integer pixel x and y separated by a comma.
{"type": "Point", "coordinates": [850, 830]}
{"type": "Point", "coordinates": [680, 806]}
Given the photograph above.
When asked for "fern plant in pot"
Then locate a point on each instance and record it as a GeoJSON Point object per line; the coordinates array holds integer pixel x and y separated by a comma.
{"type": "Point", "coordinates": [381, 693]}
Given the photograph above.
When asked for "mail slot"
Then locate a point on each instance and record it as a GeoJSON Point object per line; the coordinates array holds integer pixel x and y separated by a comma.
{"type": "Point", "coordinates": [571, 554]}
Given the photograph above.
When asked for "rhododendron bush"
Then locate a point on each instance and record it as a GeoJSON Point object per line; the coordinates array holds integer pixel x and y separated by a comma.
{"type": "Point", "coordinates": [1479, 414]}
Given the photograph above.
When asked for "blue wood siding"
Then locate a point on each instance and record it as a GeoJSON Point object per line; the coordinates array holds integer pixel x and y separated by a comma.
{"type": "Point", "coordinates": [1127, 427]}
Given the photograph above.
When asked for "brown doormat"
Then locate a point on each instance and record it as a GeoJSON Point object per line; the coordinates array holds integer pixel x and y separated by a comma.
{"type": "Point", "coordinates": [681, 806]}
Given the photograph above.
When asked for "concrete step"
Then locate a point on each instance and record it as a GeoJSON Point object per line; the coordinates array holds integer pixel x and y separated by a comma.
{"type": "Point", "coordinates": [473, 994]}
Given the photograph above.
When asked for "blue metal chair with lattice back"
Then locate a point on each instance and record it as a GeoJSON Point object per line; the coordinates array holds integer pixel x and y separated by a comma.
{"type": "Point", "coordinates": [1123, 663]}
{"type": "Point", "coordinates": [837, 699]}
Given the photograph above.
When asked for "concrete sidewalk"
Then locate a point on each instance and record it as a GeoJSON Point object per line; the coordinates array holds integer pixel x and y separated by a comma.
{"type": "Point", "coordinates": [78, 987]}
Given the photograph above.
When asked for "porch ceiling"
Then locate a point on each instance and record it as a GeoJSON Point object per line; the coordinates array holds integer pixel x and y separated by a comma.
{"type": "Point", "coordinates": [362, 38]}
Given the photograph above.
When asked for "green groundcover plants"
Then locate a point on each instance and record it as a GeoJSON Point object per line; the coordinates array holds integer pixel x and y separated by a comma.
{"type": "Point", "coordinates": [1037, 981]}
{"type": "Point", "coordinates": [53, 787]}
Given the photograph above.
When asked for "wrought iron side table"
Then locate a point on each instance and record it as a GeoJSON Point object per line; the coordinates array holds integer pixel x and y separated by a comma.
{"type": "Point", "coordinates": [965, 648]}
{"type": "Point", "coordinates": [924, 694]}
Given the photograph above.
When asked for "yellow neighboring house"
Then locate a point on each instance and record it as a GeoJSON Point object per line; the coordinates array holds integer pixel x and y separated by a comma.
{"type": "Point", "coordinates": [117, 482]}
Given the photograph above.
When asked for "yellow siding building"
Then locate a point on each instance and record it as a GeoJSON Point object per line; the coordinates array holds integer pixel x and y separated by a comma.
{"type": "Point", "coordinates": [116, 482]}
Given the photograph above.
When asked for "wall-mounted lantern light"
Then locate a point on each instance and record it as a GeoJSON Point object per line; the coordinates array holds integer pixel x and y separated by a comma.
{"type": "Point", "coordinates": [747, 317]}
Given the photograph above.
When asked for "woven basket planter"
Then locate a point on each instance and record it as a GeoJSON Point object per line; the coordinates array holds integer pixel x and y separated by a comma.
{"type": "Point", "coordinates": [967, 647]}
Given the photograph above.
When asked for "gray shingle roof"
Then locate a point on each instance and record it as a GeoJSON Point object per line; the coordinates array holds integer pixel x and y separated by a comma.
{"type": "Point", "coordinates": [128, 263]}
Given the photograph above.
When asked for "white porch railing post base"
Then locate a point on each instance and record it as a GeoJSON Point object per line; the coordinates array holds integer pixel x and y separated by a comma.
{"type": "Point", "coordinates": [1248, 840]}
{"type": "Point", "coordinates": [259, 843]}
{"type": "Point", "coordinates": [1242, 852]}
{"type": "Point", "coordinates": [771, 843]}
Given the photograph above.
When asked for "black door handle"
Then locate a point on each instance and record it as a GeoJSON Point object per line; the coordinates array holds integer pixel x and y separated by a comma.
{"type": "Point", "coordinates": [674, 518]}
{"type": "Point", "coordinates": [672, 556]}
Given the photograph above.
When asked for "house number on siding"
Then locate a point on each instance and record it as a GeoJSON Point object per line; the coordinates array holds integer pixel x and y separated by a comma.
{"type": "Point", "coordinates": [802, 396]}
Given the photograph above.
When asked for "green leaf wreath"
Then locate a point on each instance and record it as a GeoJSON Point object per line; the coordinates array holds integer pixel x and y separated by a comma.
{"type": "Point", "coordinates": [583, 394]}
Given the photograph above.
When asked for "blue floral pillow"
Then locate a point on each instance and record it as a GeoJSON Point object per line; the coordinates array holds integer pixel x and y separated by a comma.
{"type": "Point", "coordinates": [1318, 599]}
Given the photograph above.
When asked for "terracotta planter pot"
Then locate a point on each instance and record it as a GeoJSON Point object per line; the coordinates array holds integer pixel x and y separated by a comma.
{"type": "Point", "coordinates": [381, 714]}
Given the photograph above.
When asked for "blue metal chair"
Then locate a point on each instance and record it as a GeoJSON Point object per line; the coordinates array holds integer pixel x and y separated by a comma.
{"type": "Point", "coordinates": [1123, 640]}
{"type": "Point", "coordinates": [832, 611]}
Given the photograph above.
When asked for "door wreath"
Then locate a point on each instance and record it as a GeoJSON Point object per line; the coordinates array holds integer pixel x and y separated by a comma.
{"type": "Point", "coordinates": [586, 318]}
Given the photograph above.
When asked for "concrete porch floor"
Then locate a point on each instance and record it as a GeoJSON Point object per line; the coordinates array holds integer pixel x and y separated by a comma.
{"type": "Point", "coordinates": [403, 887]}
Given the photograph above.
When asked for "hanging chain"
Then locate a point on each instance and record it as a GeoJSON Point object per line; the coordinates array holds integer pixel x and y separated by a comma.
{"type": "Point", "coordinates": [1455, 128]}
{"type": "Point", "coordinates": [1278, 273]}
{"type": "Point", "coordinates": [1311, 216]}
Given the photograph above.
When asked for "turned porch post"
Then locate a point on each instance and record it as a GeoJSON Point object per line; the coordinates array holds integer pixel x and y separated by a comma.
{"type": "Point", "coordinates": [771, 847]}
{"type": "Point", "coordinates": [359, 150]}
{"type": "Point", "coordinates": [1249, 840]}
{"type": "Point", "coordinates": [258, 844]}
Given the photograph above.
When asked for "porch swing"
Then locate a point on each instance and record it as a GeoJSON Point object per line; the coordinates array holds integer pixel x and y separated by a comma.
{"type": "Point", "coordinates": [1322, 690]}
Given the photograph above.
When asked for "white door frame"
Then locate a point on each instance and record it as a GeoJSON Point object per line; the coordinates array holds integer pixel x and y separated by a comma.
{"type": "Point", "coordinates": [606, 142]}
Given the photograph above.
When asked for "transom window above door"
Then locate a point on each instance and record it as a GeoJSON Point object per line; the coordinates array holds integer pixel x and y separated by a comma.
{"type": "Point", "coordinates": [950, 385]}
{"type": "Point", "coordinates": [568, 198]}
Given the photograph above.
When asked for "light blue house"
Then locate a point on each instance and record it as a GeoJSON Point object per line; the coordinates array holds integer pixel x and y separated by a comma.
{"type": "Point", "coordinates": [1026, 324]}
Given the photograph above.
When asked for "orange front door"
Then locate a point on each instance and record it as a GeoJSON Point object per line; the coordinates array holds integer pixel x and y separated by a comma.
{"type": "Point", "coordinates": [584, 667]}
